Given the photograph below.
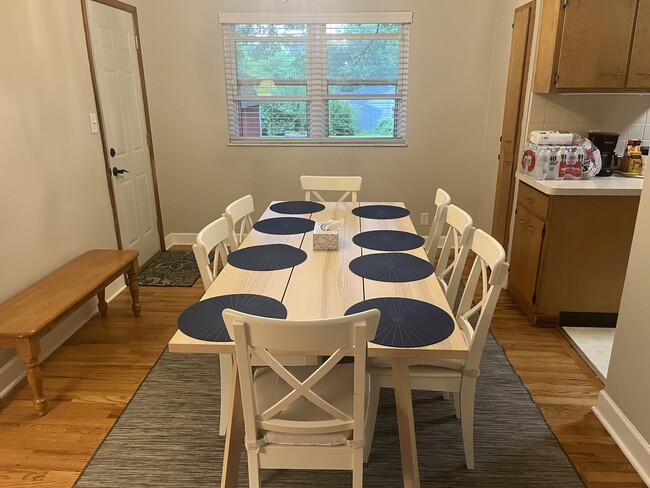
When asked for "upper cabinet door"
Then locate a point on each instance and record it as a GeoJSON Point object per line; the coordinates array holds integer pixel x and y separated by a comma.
{"type": "Point", "coordinates": [595, 44]}
{"type": "Point", "coordinates": [639, 74]}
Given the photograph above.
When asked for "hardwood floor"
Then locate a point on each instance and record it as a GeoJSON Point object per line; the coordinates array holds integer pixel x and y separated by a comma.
{"type": "Point", "coordinates": [90, 379]}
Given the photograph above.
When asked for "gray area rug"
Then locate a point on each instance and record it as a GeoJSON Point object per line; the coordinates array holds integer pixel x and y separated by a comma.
{"type": "Point", "coordinates": [168, 436]}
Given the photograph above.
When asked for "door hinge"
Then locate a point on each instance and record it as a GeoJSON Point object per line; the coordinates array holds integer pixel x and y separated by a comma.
{"type": "Point", "coordinates": [543, 231]}
{"type": "Point", "coordinates": [137, 44]}
{"type": "Point", "coordinates": [556, 78]}
{"type": "Point", "coordinates": [148, 139]}
{"type": "Point", "coordinates": [534, 298]}
{"type": "Point", "coordinates": [501, 139]}
{"type": "Point", "coordinates": [564, 3]}
{"type": "Point", "coordinates": [499, 157]}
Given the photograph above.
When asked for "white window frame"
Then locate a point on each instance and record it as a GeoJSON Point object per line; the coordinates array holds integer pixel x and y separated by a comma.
{"type": "Point", "coordinates": [317, 96]}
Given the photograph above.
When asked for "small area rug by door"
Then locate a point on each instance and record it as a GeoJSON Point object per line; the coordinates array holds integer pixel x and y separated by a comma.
{"type": "Point", "coordinates": [168, 436]}
{"type": "Point", "coordinates": [170, 268]}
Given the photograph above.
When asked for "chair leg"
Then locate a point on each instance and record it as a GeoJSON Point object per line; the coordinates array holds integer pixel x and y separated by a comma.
{"type": "Point", "coordinates": [467, 391]}
{"type": "Point", "coordinates": [456, 396]}
{"type": "Point", "coordinates": [225, 362]}
{"type": "Point", "coordinates": [371, 417]}
{"type": "Point", "coordinates": [445, 395]}
{"type": "Point", "coordinates": [357, 470]}
{"type": "Point", "coordinates": [253, 470]}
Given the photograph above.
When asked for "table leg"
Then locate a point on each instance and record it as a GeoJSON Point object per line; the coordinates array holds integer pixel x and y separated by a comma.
{"type": "Point", "coordinates": [102, 305]}
{"type": "Point", "coordinates": [405, 422]}
{"type": "Point", "coordinates": [28, 350]}
{"type": "Point", "coordinates": [134, 287]}
{"type": "Point", "coordinates": [234, 434]}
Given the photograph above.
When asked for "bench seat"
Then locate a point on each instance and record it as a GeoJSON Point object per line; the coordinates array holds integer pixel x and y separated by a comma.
{"type": "Point", "coordinates": [26, 317]}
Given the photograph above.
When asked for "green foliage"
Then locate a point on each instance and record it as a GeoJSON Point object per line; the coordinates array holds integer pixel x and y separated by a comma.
{"type": "Point", "coordinates": [385, 128]}
{"type": "Point", "coordinates": [342, 118]}
{"type": "Point", "coordinates": [284, 119]}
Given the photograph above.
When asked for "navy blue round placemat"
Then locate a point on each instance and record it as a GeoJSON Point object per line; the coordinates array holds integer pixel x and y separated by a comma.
{"type": "Point", "coordinates": [268, 257]}
{"type": "Point", "coordinates": [406, 322]}
{"type": "Point", "coordinates": [380, 212]}
{"type": "Point", "coordinates": [388, 240]}
{"type": "Point", "coordinates": [297, 207]}
{"type": "Point", "coordinates": [203, 319]}
{"type": "Point", "coordinates": [391, 266]}
{"type": "Point", "coordinates": [284, 225]}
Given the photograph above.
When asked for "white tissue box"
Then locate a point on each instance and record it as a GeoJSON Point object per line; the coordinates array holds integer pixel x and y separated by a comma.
{"type": "Point", "coordinates": [325, 240]}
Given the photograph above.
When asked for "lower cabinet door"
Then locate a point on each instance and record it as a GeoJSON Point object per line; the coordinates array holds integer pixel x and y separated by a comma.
{"type": "Point", "coordinates": [525, 255]}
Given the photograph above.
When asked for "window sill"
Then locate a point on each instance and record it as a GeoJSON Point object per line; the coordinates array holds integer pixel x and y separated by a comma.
{"type": "Point", "coordinates": [316, 144]}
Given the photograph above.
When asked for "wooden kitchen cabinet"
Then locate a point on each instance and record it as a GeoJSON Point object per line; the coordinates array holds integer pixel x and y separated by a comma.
{"type": "Point", "coordinates": [639, 72]}
{"type": "Point", "coordinates": [569, 255]}
{"type": "Point", "coordinates": [587, 46]}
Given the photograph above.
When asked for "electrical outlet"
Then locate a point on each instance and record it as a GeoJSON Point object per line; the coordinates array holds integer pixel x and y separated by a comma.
{"type": "Point", "coordinates": [424, 218]}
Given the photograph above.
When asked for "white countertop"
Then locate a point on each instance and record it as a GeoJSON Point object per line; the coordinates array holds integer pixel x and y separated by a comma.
{"type": "Point", "coordinates": [615, 185]}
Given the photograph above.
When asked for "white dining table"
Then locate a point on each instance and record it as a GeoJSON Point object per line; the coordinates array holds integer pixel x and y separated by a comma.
{"type": "Point", "coordinates": [323, 286]}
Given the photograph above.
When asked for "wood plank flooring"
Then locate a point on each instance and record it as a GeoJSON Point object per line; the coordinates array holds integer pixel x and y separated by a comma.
{"type": "Point", "coordinates": [90, 379]}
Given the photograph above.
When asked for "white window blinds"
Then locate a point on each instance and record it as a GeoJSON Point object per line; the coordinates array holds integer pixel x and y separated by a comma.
{"type": "Point", "coordinates": [333, 79]}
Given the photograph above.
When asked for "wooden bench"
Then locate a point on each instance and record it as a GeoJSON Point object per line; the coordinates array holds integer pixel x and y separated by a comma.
{"type": "Point", "coordinates": [28, 316]}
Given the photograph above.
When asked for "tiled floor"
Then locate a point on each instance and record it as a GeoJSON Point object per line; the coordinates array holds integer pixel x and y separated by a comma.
{"type": "Point", "coordinates": [594, 344]}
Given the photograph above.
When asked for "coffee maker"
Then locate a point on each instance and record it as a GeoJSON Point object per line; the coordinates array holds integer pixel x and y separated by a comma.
{"type": "Point", "coordinates": [606, 143]}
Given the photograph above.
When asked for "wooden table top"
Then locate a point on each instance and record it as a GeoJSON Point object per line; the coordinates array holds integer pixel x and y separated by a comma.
{"type": "Point", "coordinates": [323, 286]}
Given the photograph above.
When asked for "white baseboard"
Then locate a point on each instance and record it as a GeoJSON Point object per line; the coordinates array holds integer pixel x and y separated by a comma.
{"type": "Point", "coordinates": [179, 239]}
{"type": "Point", "coordinates": [13, 371]}
{"type": "Point", "coordinates": [633, 445]}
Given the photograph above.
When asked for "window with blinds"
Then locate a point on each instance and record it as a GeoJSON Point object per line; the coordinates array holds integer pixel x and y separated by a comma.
{"type": "Point", "coordinates": [336, 80]}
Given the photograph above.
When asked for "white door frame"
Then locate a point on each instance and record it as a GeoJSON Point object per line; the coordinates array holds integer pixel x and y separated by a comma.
{"type": "Point", "coordinates": [107, 163]}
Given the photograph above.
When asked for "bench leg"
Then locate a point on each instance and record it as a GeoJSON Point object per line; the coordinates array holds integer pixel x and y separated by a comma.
{"type": "Point", "coordinates": [102, 305]}
{"type": "Point", "coordinates": [134, 287]}
{"type": "Point", "coordinates": [29, 350]}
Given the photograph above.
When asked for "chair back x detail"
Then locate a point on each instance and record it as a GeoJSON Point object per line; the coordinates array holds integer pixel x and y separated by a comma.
{"type": "Point", "coordinates": [303, 417]}
{"type": "Point", "coordinates": [350, 185]}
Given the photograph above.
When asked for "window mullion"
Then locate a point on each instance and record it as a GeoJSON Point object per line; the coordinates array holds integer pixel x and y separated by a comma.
{"type": "Point", "coordinates": [316, 80]}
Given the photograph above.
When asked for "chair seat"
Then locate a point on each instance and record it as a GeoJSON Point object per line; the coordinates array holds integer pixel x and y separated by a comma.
{"type": "Point", "coordinates": [336, 388]}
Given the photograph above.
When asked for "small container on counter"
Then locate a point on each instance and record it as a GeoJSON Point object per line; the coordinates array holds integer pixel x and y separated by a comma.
{"type": "Point", "coordinates": [644, 159]}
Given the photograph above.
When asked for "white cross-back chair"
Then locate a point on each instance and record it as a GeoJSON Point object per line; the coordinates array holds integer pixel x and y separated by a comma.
{"type": "Point", "coordinates": [487, 277]}
{"type": "Point", "coordinates": [441, 201]}
{"type": "Point", "coordinates": [215, 236]}
{"type": "Point", "coordinates": [350, 185]}
{"type": "Point", "coordinates": [240, 222]}
{"type": "Point", "coordinates": [454, 250]}
{"type": "Point", "coordinates": [303, 417]}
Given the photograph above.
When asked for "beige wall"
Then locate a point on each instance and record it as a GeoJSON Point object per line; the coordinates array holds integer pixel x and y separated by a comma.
{"type": "Point", "coordinates": [629, 367]}
{"type": "Point", "coordinates": [450, 85]}
{"type": "Point", "coordinates": [53, 190]}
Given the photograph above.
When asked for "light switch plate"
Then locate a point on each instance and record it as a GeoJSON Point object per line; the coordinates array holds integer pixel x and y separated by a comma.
{"type": "Point", "coordinates": [424, 218]}
{"type": "Point", "coordinates": [94, 123]}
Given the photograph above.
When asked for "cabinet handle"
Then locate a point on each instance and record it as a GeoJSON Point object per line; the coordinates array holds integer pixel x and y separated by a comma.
{"type": "Point", "coordinates": [531, 228]}
{"type": "Point", "coordinates": [523, 222]}
{"type": "Point", "coordinates": [530, 200]}
{"type": "Point", "coordinates": [642, 74]}
{"type": "Point", "coordinates": [610, 74]}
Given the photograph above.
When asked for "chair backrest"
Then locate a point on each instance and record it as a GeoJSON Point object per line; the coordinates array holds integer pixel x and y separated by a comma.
{"type": "Point", "coordinates": [490, 270]}
{"type": "Point", "coordinates": [238, 214]}
{"type": "Point", "coordinates": [212, 236]}
{"type": "Point", "coordinates": [454, 250]}
{"type": "Point", "coordinates": [442, 201]}
{"type": "Point", "coordinates": [351, 185]}
{"type": "Point", "coordinates": [336, 337]}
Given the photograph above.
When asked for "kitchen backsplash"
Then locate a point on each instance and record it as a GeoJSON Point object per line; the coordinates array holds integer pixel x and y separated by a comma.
{"type": "Point", "coordinates": [627, 115]}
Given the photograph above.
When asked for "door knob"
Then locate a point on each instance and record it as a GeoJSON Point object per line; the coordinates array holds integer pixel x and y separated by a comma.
{"type": "Point", "coordinates": [112, 152]}
{"type": "Point", "coordinates": [117, 171]}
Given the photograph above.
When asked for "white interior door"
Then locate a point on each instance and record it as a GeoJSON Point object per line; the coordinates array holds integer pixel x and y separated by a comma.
{"type": "Point", "coordinates": [122, 105]}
